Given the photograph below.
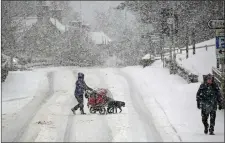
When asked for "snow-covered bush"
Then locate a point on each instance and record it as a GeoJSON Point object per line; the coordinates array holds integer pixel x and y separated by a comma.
{"type": "Point", "coordinates": [184, 73]}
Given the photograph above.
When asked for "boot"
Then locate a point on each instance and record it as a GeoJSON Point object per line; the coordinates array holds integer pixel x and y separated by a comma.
{"type": "Point", "coordinates": [73, 110]}
{"type": "Point", "coordinates": [206, 130]}
{"type": "Point", "coordinates": [211, 131]}
{"type": "Point", "coordinates": [82, 111]}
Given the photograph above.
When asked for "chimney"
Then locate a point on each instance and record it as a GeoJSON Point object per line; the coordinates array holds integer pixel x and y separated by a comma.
{"type": "Point", "coordinates": [86, 27]}
{"type": "Point", "coordinates": [43, 12]}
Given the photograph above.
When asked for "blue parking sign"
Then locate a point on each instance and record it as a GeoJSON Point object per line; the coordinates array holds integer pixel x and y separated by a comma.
{"type": "Point", "coordinates": [220, 43]}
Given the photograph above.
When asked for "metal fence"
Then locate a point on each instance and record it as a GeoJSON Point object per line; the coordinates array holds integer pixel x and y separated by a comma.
{"type": "Point", "coordinates": [217, 76]}
{"type": "Point", "coordinates": [200, 47]}
{"type": "Point", "coordinates": [184, 49]}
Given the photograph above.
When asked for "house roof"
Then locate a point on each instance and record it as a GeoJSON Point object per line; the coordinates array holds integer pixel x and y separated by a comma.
{"type": "Point", "coordinates": [23, 23]}
{"type": "Point", "coordinates": [100, 38]}
{"type": "Point", "coordinates": [59, 26]}
{"type": "Point", "coordinates": [26, 23]}
{"type": "Point", "coordinates": [146, 57]}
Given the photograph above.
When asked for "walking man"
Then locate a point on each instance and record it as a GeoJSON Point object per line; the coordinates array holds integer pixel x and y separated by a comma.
{"type": "Point", "coordinates": [208, 97]}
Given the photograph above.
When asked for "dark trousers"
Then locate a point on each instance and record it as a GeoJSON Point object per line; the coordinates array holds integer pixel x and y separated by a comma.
{"type": "Point", "coordinates": [80, 104]}
{"type": "Point", "coordinates": [205, 116]}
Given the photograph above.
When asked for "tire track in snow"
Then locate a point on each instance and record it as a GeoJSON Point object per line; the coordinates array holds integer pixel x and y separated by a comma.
{"type": "Point", "coordinates": [20, 98]}
{"type": "Point", "coordinates": [120, 123]}
{"type": "Point", "coordinates": [142, 110]}
{"type": "Point", "coordinates": [87, 119]}
{"type": "Point", "coordinates": [70, 119]}
{"type": "Point", "coordinates": [55, 112]}
{"type": "Point", "coordinates": [105, 122]}
{"type": "Point", "coordinates": [16, 130]}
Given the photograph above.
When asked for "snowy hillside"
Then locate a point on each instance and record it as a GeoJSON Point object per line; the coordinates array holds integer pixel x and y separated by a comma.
{"type": "Point", "coordinates": [202, 62]}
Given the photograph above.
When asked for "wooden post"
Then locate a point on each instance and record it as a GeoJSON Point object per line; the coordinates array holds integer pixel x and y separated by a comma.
{"type": "Point", "coordinates": [193, 41]}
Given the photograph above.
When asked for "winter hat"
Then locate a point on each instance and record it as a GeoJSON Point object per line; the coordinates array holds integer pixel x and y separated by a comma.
{"type": "Point", "coordinates": [80, 75]}
{"type": "Point", "coordinates": [209, 76]}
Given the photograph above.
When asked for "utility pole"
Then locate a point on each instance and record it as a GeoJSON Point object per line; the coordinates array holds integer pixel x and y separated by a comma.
{"type": "Point", "coordinates": [81, 23]}
{"type": "Point", "coordinates": [139, 10]}
{"type": "Point", "coordinates": [171, 46]}
{"type": "Point", "coordinates": [173, 36]}
{"type": "Point", "coordinates": [162, 47]}
{"type": "Point", "coordinates": [170, 21]}
{"type": "Point", "coordinates": [223, 63]}
{"type": "Point", "coordinates": [193, 41]}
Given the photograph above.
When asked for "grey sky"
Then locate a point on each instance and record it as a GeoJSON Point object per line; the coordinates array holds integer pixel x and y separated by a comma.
{"type": "Point", "coordinates": [88, 8]}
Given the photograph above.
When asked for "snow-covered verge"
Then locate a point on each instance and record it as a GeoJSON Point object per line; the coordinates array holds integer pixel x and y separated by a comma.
{"type": "Point", "coordinates": [22, 94]}
{"type": "Point", "coordinates": [20, 88]}
{"type": "Point", "coordinates": [172, 103]}
{"type": "Point", "coordinates": [202, 62]}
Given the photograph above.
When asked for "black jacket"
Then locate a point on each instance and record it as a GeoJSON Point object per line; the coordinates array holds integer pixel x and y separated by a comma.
{"type": "Point", "coordinates": [209, 96]}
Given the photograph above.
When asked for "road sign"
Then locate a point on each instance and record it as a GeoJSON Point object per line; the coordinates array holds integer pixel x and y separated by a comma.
{"type": "Point", "coordinates": [216, 24]}
{"type": "Point", "coordinates": [220, 43]}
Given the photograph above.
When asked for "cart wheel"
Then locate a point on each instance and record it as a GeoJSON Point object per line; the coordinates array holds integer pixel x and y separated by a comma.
{"type": "Point", "coordinates": [110, 111]}
{"type": "Point", "coordinates": [92, 110]}
{"type": "Point", "coordinates": [102, 111]}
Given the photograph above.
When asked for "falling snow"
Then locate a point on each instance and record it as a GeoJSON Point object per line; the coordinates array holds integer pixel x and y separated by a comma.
{"type": "Point", "coordinates": [137, 50]}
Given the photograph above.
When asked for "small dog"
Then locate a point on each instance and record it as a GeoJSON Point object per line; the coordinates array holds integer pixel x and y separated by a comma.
{"type": "Point", "coordinates": [113, 105]}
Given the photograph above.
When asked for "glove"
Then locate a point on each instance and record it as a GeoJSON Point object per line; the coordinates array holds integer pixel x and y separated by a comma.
{"type": "Point", "coordinates": [86, 96]}
{"type": "Point", "coordinates": [220, 107]}
{"type": "Point", "coordinates": [90, 89]}
{"type": "Point", "coordinates": [198, 105]}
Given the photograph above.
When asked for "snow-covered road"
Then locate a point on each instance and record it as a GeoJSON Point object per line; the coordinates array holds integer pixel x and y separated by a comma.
{"type": "Point", "coordinates": [50, 91]}
{"type": "Point", "coordinates": [133, 124]}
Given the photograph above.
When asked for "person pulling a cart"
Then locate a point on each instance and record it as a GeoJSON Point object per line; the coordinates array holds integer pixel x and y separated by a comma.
{"type": "Point", "coordinates": [81, 86]}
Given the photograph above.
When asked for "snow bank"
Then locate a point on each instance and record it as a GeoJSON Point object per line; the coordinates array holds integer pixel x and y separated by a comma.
{"type": "Point", "coordinates": [202, 62]}
{"type": "Point", "coordinates": [20, 88]}
{"type": "Point", "coordinates": [146, 57]}
{"type": "Point", "coordinates": [172, 102]}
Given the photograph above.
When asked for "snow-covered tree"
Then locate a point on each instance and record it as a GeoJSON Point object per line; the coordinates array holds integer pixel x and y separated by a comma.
{"type": "Point", "coordinates": [191, 14]}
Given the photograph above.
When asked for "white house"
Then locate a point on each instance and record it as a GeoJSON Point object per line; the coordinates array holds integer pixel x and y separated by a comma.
{"type": "Point", "coordinates": [99, 38]}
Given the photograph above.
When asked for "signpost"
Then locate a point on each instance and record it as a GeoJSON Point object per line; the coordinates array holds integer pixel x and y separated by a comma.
{"type": "Point", "coordinates": [219, 26]}
{"type": "Point", "coordinates": [216, 24]}
{"type": "Point", "coordinates": [220, 46]}
{"type": "Point", "coordinates": [220, 43]}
